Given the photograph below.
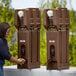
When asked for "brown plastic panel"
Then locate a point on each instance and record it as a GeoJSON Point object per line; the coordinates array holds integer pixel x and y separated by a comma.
{"type": "Point", "coordinates": [46, 21]}
{"type": "Point", "coordinates": [52, 41]}
{"type": "Point", "coordinates": [31, 41]}
{"type": "Point", "coordinates": [17, 22]}
{"type": "Point", "coordinates": [57, 39]}
{"type": "Point", "coordinates": [31, 18]}
{"type": "Point", "coordinates": [67, 43]}
{"type": "Point", "coordinates": [60, 18]}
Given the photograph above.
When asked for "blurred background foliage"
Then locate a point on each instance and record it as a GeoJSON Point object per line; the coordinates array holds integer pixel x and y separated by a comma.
{"type": "Point", "coordinates": [7, 15]}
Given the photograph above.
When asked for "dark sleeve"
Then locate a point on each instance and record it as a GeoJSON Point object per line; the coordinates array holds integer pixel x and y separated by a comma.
{"type": "Point", "coordinates": [4, 52]}
{"type": "Point", "coordinates": [7, 55]}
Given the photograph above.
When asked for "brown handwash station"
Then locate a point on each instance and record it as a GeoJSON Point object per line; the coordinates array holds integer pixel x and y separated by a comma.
{"type": "Point", "coordinates": [28, 23]}
{"type": "Point", "coordinates": [56, 22]}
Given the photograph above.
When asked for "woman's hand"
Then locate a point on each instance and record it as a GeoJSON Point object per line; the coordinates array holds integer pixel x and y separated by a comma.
{"type": "Point", "coordinates": [21, 61]}
{"type": "Point", "coordinates": [17, 61]}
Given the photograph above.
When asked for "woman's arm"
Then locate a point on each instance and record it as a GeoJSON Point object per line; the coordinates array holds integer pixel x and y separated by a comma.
{"type": "Point", "coordinates": [17, 61]}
